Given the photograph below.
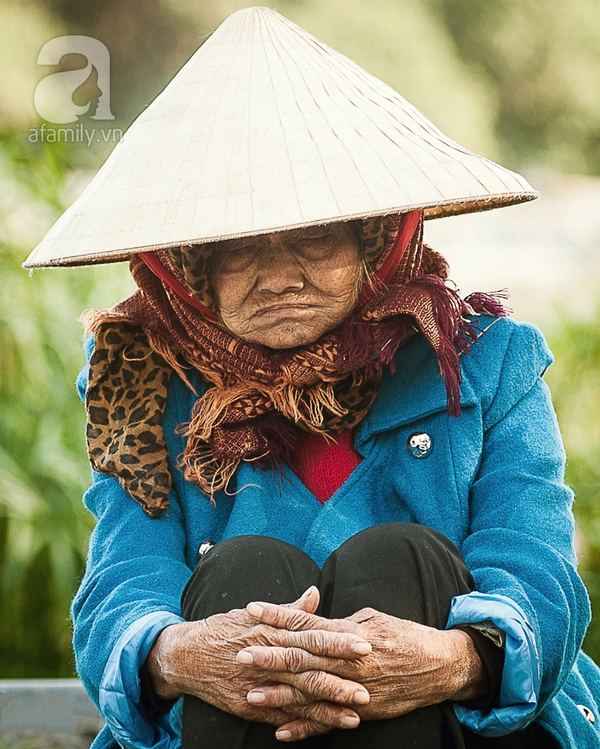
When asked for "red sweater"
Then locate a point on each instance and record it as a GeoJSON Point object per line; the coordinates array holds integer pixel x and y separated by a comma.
{"type": "Point", "coordinates": [323, 466]}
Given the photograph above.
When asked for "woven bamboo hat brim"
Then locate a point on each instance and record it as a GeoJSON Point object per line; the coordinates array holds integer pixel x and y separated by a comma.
{"type": "Point", "coordinates": [265, 129]}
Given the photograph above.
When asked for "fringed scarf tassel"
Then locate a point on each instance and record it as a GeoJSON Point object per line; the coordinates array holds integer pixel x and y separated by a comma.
{"type": "Point", "coordinates": [437, 310]}
{"type": "Point", "coordinates": [225, 429]}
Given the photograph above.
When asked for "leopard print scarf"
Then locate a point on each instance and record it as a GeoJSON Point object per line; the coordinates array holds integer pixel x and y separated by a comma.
{"type": "Point", "coordinates": [255, 397]}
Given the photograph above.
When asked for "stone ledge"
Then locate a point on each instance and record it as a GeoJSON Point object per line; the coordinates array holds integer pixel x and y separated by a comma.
{"type": "Point", "coordinates": [46, 714]}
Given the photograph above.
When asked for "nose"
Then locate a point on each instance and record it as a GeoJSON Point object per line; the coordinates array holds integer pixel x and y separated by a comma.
{"type": "Point", "coordinates": [279, 269]}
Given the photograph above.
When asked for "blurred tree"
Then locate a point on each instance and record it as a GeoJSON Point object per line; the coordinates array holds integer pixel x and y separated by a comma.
{"type": "Point", "coordinates": [542, 61]}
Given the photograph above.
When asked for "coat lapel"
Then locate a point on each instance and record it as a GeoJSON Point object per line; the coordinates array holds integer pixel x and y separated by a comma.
{"type": "Point", "coordinates": [422, 392]}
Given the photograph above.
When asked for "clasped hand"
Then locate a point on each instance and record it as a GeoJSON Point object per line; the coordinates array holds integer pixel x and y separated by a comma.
{"type": "Point", "coordinates": [283, 665]}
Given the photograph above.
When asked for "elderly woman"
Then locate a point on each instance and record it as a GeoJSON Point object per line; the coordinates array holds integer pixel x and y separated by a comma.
{"type": "Point", "coordinates": [329, 492]}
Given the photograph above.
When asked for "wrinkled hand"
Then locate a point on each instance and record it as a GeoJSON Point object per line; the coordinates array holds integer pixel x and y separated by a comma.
{"type": "Point", "coordinates": [410, 666]}
{"type": "Point", "coordinates": [203, 658]}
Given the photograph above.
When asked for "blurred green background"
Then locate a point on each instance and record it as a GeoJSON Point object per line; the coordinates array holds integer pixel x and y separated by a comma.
{"type": "Point", "coordinates": [516, 80]}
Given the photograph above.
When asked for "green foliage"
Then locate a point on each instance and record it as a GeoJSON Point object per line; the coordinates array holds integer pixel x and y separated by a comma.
{"type": "Point", "coordinates": [43, 525]}
{"type": "Point", "coordinates": [575, 383]}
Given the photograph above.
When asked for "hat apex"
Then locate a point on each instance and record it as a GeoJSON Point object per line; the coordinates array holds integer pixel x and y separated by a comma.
{"type": "Point", "coordinates": [264, 129]}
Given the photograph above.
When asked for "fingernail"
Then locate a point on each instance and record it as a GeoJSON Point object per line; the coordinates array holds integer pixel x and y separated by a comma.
{"type": "Point", "coordinates": [349, 721]}
{"type": "Point", "coordinates": [256, 698]}
{"type": "Point", "coordinates": [244, 657]}
{"type": "Point", "coordinates": [283, 735]}
{"type": "Point", "coordinates": [362, 648]}
{"type": "Point", "coordinates": [361, 697]}
{"type": "Point", "coordinates": [254, 609]}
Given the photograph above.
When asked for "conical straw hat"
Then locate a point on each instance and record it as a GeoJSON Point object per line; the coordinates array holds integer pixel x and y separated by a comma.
{"type": "Point", "coordinates": [264, 129]}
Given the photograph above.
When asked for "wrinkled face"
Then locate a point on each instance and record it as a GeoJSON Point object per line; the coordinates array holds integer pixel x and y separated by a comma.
{"type": "Point", "coordinates": [287, 289]}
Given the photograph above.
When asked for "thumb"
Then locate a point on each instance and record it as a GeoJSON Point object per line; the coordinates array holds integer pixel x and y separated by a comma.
{"type": "Point", "coordinates": [308, 601]}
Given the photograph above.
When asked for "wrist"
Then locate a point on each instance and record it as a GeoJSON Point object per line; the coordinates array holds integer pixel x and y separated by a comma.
{"type": "Point", "coordinates": [162, 660]}
{"type": "Point", "coordinates": [468, 676]}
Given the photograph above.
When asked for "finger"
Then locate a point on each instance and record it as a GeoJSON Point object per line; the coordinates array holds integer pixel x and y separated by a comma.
{"type": "Point", "coordinates": [300, 729]}
{"type": "Point", "coordinates": [317, 716]}
{"type": "Point", "coordinates": [322, 686]}
{"type": "Point", "coordinates": [287, 660]}
{"type": "Point", "coordinates": [278, 695]}
{"type": "Point", "coordinates": [308, 601]}
{"type": "Point", "coordinates": [283, 616]}
{"type": "Point", "coordinates": [309, 686]}
{"type": "Point", "coordinates": [364, 615]}
{"type": "Point", "coordinates": [296, 619]}
{"type": "Point", "coordinates": [321, 642]}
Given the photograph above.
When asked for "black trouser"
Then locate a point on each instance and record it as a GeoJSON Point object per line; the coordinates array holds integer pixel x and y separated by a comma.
{"type": "Point", "coordinates": [402, 569]}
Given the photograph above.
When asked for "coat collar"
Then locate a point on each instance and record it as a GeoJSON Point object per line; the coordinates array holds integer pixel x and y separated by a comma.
{"type": "Point", "coordinates": [414, 391]}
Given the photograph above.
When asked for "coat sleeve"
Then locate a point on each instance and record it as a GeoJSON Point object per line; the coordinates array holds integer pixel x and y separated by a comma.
{"type": "Point", "coordinates": [520, 548]}
{"type": "Point", "coordinates": [131, 590]}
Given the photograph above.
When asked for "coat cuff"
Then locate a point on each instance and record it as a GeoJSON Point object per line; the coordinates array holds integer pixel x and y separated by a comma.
{"type": "Point", "coordinates": [520, 677]}
{"type": "Point", "coordinates": [119, 694]}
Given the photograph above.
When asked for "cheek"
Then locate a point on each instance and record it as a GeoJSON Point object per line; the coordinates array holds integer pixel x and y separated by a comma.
{"type": "Point", "coordinates": [230, 290]}
{"type": "Point", "coordinates": [338, 279]}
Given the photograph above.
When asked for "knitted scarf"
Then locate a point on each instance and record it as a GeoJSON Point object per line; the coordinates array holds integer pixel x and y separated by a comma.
{"type": "Point", "coordinates": [256, 396]}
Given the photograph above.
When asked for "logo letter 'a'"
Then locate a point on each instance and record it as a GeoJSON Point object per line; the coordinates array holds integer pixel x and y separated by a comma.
{"type": "Point", "coordinates": [53, 97]}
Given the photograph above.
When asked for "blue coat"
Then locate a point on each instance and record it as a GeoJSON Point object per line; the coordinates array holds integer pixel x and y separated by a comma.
{"type": "Point", "coordinates": [493, 484]}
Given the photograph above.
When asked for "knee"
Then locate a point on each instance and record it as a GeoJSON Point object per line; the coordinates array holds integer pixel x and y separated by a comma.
{"type": "Point", "coordinates": [407, 570]}
{"type": "Point", "coordinates": [400, 539]}
{"type": "Point", "coordinates": [246, 568]}
{"type": "Point", "coordinates": [394, 550]}
{"type": "Point", "coordinates": [242, 556]}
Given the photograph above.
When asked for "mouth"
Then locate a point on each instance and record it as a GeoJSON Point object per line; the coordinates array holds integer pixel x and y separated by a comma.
{"type": "Point", "coordinates": [285, 309]}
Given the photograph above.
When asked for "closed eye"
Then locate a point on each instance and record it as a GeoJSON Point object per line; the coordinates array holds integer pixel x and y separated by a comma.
{"type": "Point", "coordinates": [238, 259]}
{"type": "Point", "coordinates": [314, 247]}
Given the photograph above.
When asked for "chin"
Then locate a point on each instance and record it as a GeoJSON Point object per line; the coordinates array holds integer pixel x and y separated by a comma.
{"type": "Point", "coordinates": [286, 342]}
{"type": "Point", "coordinates": [290, 336]}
